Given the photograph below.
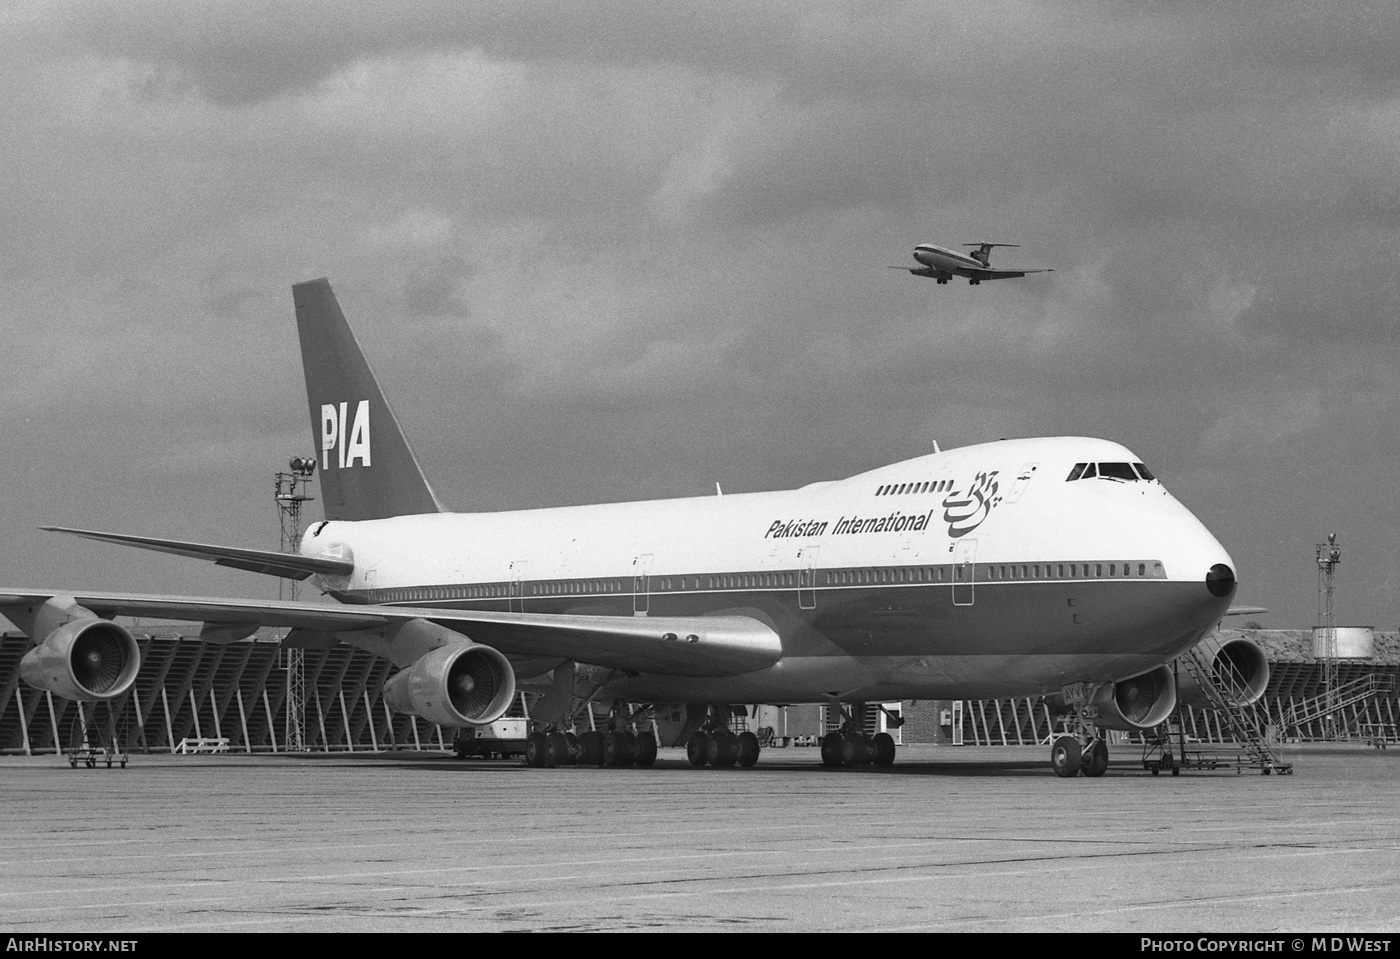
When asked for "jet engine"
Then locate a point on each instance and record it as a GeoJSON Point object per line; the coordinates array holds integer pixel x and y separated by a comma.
{"type": "Point", "coordinates": [90, 660]}
{"type": "Point", "coordinates": [1138, 703]}
{"type": "Point", "coordinates": [464, 684]}
{"type": "Point", "coordinates": [1238, 666]}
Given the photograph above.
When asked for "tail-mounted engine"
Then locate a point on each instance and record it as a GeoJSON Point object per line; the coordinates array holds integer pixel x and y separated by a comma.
{"type": "Point", "coordinates": [464, 684]}
{"type": "Point", "coordinates": [83, 657]}
{"type": "Point", "coordinates": [1238, 667]}
{"type": "Point", "coordinates": [1138, 703]}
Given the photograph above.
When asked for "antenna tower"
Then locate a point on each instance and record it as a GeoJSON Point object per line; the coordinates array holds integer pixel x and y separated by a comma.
{"type": "Point", "coordinates": [291, 492]}
{"type": "Point", "coordinates": [1329, 557]}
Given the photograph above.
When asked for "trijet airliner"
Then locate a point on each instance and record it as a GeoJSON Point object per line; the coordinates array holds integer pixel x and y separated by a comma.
{"type": "Point", "coordinates": [942, 264]}
{"type": "Point", "coordinates": [1053, 567]}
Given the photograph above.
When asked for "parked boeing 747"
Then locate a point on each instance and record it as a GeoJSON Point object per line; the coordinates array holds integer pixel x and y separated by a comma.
{"type": "Point", "coordinates": [1057, 566]}
{"type": "Point", "coordinates": [942, 264]}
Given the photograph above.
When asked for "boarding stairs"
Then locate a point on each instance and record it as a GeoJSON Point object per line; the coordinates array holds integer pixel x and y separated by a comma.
{"type": "Point", "coordinates": [1305, 711]}
{"type": "Point", "coordinates": [1224, 687]}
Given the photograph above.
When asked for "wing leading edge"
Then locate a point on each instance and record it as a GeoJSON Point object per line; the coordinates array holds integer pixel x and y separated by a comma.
{"type": "Point", "coordinates": [676, 645]}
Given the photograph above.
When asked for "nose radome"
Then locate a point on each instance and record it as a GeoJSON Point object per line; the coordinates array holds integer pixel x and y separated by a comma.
{"type": "Point", "coordinates": [1220, 580]}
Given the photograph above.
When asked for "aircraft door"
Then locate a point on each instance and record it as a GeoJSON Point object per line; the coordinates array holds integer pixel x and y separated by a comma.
{"type": "Point", "coordinates": [807, 577]}
{"type": "Point", "coordinates": [517, 586]}
{"type": "Point", "coordinates": [641, 584]}
{"type": "Point", "coordinates": [964, 572]}
{"type": "Point", "coordinates": [1022, 478]}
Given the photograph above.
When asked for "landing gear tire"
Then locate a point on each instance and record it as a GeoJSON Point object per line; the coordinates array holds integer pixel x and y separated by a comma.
{"type": "Point", "coordinates": [831, 749]}
{"type": "Point", "coordinates": [618, 749]}
{"type": "Point", "coordinates": [537, 751]}
{"type": "Point", "coordinates": [853, 751]}
{"type": "Point", "coordinates": [646, 750]}
{"type": "Point", "coordinates": [697, 749]}
{"type": "Point", "coordinates": [1096, 759]}
{"type": "Point", "coordinates": [723, 749]}
{"type": "Point", "coordinates": [590, 748]}
{"type": "Point", "coordinates": [558, 753]}
{"type": "Point", "coordinates": [1065, 757]}
{"type": "Point", "coordinates": [884, 749]}
{"type": "Point", "coordinates": [748, 750]}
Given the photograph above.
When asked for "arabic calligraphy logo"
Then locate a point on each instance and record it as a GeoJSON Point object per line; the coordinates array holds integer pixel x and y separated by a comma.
{"type": "Point", "coordinates": [963, 514]}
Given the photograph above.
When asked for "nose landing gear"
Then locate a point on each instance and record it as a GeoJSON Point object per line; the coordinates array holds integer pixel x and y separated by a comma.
{"type": "Point", "coordinates": [1069, 757]}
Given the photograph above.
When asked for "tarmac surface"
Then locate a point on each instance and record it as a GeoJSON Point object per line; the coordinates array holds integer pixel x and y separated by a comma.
{"type": "Point", "coordinates": [949, 839]}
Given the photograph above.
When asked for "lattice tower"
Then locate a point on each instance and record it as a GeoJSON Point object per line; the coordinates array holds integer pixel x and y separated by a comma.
{"type": "Point", "coordinates": [1329, 557]}
{"type": "Point", "coordinates": [292, 491]}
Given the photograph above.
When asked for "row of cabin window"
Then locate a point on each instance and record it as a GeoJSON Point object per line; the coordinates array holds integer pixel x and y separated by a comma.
{"type": "Point", "coordinates": [447, 592]}
{"type": "Point", "coordinates": [567, 587]}
{"type": "Point", "coordinates": [502, 590]}
{"type": "Point", "coordinates": [903, 574]}
{"type": "Point", "coordinates": [934, 574]}
{"type": "Point", "coordinates": [927, 486]}
{"type": "Point", "coordinates": [1071, 570]}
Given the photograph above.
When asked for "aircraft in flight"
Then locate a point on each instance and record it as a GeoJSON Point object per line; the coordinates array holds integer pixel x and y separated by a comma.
{"type": "Point", "coordinates": [1024, 567]}
{"type": "Point", "coordinates": [942, 264]}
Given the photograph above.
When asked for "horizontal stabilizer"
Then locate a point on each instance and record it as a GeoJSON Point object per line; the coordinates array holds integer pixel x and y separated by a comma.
{"type": "Point", "coordinates": [270, 562]}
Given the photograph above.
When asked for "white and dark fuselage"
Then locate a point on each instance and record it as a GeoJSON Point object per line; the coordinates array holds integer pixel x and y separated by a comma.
{"type": "Point", "coordinates": [944, 260]}
{"type": "Point", "coordinates": [977, 572]}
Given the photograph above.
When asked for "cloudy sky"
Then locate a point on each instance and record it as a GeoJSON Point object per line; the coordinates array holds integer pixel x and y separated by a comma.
{"type": "Point", "coordinates": [623, 250]}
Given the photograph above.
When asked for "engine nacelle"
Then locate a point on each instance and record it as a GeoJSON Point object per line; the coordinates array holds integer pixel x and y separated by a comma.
{"type": "Point", "coordinates": [1238, 666]}
{"type": "Point", "coordinates": [90, 660]}
{"type": "Point", "coordinates": [1137, 703]}
{"type": "Point", "coordinates": [464, 684]}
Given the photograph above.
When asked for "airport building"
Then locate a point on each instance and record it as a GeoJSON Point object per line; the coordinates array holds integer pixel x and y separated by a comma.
{"type": "Point", "coordinates": [192, 695]}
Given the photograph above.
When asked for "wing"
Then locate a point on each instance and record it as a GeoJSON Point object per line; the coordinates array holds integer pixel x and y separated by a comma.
{"type": "Point", "coordinates": [990, 274]}
{"type": "Point", "coordinates": [286, 565]}
{"type": "Point", "coordinates": [926, 271]}
{"type": "Point", "coordinates": [677, 645]}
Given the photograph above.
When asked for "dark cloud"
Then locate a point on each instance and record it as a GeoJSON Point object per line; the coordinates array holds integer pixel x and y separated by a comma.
{"type": "Point", "coordinates": [630, 249]}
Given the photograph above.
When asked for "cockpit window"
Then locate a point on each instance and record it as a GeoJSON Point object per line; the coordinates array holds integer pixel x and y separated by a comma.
{"type": "Point", "coordinates": [1123, 472]}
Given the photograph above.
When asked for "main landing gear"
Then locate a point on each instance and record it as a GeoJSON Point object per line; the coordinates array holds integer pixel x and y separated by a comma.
{"type": "Point", "coordinates": [616, 748]}
{"type": "Point", "coordinates": [715, 744]}
{"type": "Point", "coordinates": [852, 746]}
{"type": "Point", "coordinates": [624, 742]}
{"type": "Point", "coordinates": [855, 748]}
{"type": "Point", "coordinates": [722, 748]}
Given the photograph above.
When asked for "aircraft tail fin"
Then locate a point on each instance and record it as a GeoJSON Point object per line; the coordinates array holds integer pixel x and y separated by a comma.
{"type": "Point", "coordinates": [368, 470]}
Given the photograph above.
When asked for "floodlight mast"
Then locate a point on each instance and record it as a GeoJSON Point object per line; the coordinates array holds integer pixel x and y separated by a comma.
{"type": "Point", "coordinates": [1329, 557]}
{"type": "Point", "coordinates": [292, 490]}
